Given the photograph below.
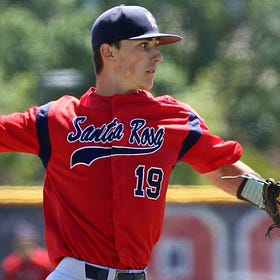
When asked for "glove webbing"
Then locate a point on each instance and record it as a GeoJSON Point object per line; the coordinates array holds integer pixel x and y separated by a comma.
{"type": "Point", "coordinates": [271, 194]}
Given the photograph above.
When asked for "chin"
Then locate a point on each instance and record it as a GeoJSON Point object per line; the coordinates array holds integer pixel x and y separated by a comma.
{"type": "Point", "coordinates": [147, 87]}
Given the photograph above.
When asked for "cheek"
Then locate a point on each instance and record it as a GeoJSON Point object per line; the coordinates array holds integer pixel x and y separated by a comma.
{"type": "Point", "coordinates": [129, 65]}
{"type": "Point", "coordinates": [131, 68]}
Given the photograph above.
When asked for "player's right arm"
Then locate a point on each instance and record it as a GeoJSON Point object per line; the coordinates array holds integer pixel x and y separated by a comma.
{"type": "Point", "coordinates": [18, 132]}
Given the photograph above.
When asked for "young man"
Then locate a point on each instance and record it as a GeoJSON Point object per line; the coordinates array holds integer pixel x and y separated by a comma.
{"type": "Point", "coordinates": [109, 154]}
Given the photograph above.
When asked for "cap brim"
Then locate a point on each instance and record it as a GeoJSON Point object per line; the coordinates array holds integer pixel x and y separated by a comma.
{"type": "Point", "coordinates": [164, 39]}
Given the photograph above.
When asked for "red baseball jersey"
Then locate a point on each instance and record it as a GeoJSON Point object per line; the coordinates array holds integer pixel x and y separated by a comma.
{"type": "Point", "coordinates": [36, 267]}
{"type": "Point", "coordinates": [108, 160]}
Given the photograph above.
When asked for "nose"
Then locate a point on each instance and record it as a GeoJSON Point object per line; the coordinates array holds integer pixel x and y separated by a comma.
{"type": "Point", "coordinates": [157, 57]}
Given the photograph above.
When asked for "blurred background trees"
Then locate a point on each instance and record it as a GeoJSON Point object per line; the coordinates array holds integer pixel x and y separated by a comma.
{"type": "Point", "coordinates": [227, 68]}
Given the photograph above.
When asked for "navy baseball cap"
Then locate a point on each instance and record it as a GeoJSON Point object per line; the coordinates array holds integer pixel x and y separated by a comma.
{"type": "Point", "coordinates": [127, 22]}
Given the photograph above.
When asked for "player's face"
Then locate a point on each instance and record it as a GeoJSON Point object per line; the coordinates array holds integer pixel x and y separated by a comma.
{"type": "Point", "coordinates": [136, 63]}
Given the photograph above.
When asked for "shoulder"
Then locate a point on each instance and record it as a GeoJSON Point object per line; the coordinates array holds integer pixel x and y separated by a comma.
{"type": "Point", "coordinates": [65, 100]}
{"type": "Point", "coordinates": [168, 99]}
{"type": "Point", "coordinates": [177, 105]}
{"type": "Point", "coordinates": [68, 101]}
{"type": "Point", "coordinates": [172, 101]}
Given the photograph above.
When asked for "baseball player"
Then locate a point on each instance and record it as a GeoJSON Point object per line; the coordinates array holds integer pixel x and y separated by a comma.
{"type": "Point", "coordinates": [109, 154]}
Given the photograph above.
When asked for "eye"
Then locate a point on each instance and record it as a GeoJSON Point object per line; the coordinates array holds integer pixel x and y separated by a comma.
{"type": "Point", "coordinates": [149, 44]}
{"type": "Point", "coordinates": [144, 45]}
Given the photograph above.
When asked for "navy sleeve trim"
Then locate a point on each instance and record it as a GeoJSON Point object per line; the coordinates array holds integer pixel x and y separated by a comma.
{"type": "Point", "coordinates": [43, 133]}
{"type": "Point", "coordinates": [193, 136]}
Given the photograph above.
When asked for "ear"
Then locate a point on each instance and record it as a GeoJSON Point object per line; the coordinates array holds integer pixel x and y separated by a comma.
{"type": "Point", "coordinates": [106, 51]}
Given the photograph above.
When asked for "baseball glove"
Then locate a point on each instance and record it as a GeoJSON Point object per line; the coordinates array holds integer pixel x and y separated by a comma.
{"type": "Point", "coordinates": [271, 201]}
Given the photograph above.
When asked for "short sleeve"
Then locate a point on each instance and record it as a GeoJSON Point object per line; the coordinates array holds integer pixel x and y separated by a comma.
{"type": "Point", "coordinates": [18, 132]}
{"type": "Point", "coordinates": [209, 151]}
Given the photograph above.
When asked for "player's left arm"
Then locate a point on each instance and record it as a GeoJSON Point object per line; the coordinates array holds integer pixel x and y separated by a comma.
{"type": "Point", "coordinates": [241, 180]}
{"type": "Point", "coordinates": [230, 185]}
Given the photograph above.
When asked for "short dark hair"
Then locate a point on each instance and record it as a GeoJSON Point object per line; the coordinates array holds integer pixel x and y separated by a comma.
{"type": "Point", "coordinates": [97, 59]}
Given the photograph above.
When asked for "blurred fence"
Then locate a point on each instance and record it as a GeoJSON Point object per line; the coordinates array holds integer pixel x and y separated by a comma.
{"type": "Point", "coordinates": [207, 234]}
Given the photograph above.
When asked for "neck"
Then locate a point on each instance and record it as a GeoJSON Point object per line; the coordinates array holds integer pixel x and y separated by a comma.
{"type": "Point", "coordinates": [106, 88]}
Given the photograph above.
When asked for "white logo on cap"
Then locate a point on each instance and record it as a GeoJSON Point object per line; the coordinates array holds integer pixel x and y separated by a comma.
{"type": "Point", "coordinates": [151, 19]}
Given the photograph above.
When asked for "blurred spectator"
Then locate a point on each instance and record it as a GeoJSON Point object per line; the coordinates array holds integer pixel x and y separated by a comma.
{"type": "Point", "coordinates": [29, 260]}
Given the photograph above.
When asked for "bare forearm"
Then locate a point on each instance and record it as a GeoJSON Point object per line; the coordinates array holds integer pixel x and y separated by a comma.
{"type": "Point", "coordinates": [229, 185]}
